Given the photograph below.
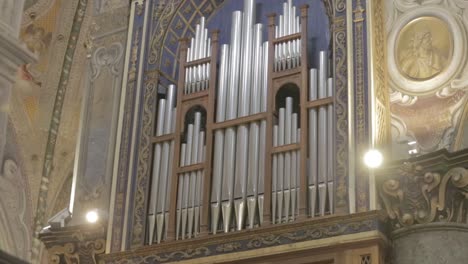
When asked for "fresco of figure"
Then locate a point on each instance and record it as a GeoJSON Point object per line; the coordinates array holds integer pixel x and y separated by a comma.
{"type": "Point", "coordinates": [421, 60]}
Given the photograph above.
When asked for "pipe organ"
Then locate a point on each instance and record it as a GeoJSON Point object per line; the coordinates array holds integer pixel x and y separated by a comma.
{"type": "Point", "coordinates": [244, 139]}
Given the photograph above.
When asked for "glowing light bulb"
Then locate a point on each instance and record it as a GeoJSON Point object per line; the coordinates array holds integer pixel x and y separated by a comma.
{"type": "Point", "coordinates": [373, 158]}
{"type": "Point", "coordinates": [92, 216]}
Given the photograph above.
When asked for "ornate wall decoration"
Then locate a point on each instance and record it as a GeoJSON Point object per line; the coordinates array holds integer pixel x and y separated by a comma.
{"type": "Point", "coordinates": [421, 192]}
{"type": "Point", "coordinates": [430, 121]}
{"type": "Point", "coordinates": [143, 169]}
{"type": "Point", "coordinates": [341, 106]}
{"type": "Point", "coordinates": [55, 121]}
{"type": "Point", "coordinates": [34, 9]}
{"type": "Point", "coordinates": [380, 80]}
{"type": "Point", "coordinates": [127, 122]}
{"type": "Point", "coordinates": [360, 104]}
{"type": "Point", "coordinates": [77, 245]}
{"type": "Point", "coordinates": [425, 51]}
{"type": "Point", "coordinates": [432, 35]}
{"type": "Point", "coordinates": [99, 123]}
{"type": "Point", "coordinates": [165, 12]}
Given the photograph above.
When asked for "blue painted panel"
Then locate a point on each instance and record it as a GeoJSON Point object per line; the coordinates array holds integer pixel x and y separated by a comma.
{"type": "Point", "coordinates": [187, 9]}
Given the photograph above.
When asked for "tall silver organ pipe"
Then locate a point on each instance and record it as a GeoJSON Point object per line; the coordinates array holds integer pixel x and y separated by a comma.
{"type": "Point", "coordinates": [241, 170]}
{"type": "Point", "coordinates": [231, 113]}
{"type": "Point", "coordinates": [263, 127]}
{"type": "Point", "coordinates": [330, 145]}
{"type": "Point", "coordinates": [313, 143]}
{"type": "Point", "coordinates": [322, 133]}
{"type": "Point", "coordinates": [219, 139]}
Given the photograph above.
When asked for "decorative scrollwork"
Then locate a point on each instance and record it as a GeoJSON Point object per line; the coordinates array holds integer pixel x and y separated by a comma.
{"type": "Point", "coordinates": [340, 5]}
{"type": "Point", "coordinates": [228, 247]}
{"type": "Point", "coordinates": [80, 252]}
{"type": "Point", "coordinates": [419, 197]}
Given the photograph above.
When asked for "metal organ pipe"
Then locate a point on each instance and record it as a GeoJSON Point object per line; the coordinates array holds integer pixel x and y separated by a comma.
{"type": "Point", "coordinates": [322, 133]}
{"type": "Point", "coordinates": [287, 156]}
{"type": "Point", "coordinates": [156, 168]}
{"type": "Point", "coordinates": [280, 181]}
{"type": "Point", "coordinates": [219, 139]}
{"type": "Point", "coordinates": [253, 145]}
{"type": "Point", "coordinates": [180, 191]}
{"type": "Point", "coordinates": [274, 176]}
{"type": "Point", "coordinates": [313, 150]}
{"type": "Point", "coordinates": [330, 122]}
{"type": "Point", "coordinates": [263, 127]}
{"type": "Point", "coordinates": [198, 202]}
{"type": "Point", "coordinates": [241, 170]}
{"type": "Point", "coordinates": [231, 113]}
{"type": "Point", "coordinates": [294, 167]}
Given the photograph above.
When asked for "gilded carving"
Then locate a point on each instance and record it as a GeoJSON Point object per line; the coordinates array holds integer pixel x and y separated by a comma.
{"type": "Point", "coordinates": [424, 48]}
{"type": "Point", "coordinates": [419, 197]}
{"type": "Point", "coordinates": [77, 253]}
{"type": "Point", "coordinates": [77, 244]}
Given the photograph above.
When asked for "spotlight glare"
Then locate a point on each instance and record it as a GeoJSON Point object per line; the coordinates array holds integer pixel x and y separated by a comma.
{"type": "Point", "coordinates": [373, 158]}
{"type": "Point", "coordinates": [92, 216]}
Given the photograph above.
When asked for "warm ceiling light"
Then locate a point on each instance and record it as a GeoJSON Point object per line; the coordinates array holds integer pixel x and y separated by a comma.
{"type": "Point", "coordinates": [373, 158]}
{"type": "Point", "coordinates": [92, 216]}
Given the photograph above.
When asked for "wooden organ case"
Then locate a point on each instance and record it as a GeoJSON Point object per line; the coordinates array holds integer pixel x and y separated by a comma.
{"type": "Point", "coordinates": [245, 142]}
